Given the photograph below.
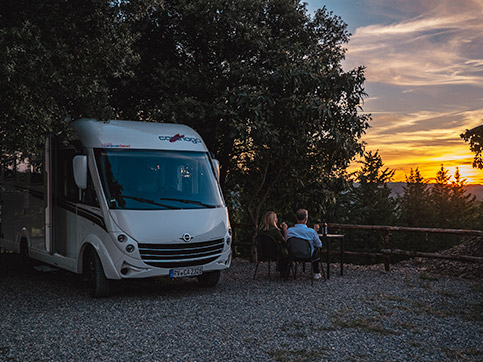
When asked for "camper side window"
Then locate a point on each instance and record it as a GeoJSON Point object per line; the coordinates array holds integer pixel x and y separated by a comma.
{"type": "Point", "coordinates": [88, 196]}
{"type": "Point", "coordinates": [65, 185]}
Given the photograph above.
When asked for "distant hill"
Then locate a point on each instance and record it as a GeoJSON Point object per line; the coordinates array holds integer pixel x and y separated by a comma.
{"type": "Point", "coordinates": [398, 189]}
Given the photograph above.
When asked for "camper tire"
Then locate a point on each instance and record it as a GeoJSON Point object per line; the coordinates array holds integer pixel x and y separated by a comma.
{"type": "Point", "coordinates": [209, 279]}
{"type": "Point", "coordinates": [98, 283]}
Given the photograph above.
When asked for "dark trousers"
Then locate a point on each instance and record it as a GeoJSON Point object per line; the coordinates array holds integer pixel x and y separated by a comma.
{"type": "Point", "coordinates": [316, 267]}
{"type": "Point", "coordinates": [316, 264]}
{"type": "Point", "coordinates": [282, 264]}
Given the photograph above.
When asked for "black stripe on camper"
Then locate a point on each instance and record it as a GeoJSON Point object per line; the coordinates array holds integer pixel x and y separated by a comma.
{"type": "Point", "coordinates": [69, 206]}
{"type": "Point", "coordinates": [86, 214]}
{"type": "Point", "coordinates": [89, 215]}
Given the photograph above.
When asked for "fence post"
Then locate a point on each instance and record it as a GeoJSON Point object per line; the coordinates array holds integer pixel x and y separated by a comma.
{"type": "Point", "coordinates": [385, 241]}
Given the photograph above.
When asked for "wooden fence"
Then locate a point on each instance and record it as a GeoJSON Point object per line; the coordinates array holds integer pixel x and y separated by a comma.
{"type": "Point", "coordinates": [385, 233]}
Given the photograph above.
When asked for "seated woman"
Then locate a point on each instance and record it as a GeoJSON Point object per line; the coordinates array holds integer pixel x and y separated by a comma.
{"type": "Point", "coordinates": [269, 227]}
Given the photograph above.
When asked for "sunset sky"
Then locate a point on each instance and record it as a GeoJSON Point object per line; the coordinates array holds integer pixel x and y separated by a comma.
{"type": "Point", "coordinates": [424, 69]}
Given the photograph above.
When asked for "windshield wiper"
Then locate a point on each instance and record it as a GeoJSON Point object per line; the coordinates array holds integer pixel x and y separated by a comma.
{"type": "Point", "coordinates": [195, 202]}
{"type": "Point", "coordinates": [147, 201]}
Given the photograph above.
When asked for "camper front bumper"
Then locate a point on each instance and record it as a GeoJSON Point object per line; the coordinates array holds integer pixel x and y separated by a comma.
{"type": "Point", "coordinates": [173, 260]}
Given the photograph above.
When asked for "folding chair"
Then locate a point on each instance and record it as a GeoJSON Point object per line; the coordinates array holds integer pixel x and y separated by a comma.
{"type": "Point", "coordinates": [300, 251]}
{"type": "Point", "coordinates": [268, 251]}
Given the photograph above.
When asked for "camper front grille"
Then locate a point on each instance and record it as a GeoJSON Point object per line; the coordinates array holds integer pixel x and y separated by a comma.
{"type": "Point", "coordinates": [181, 255]}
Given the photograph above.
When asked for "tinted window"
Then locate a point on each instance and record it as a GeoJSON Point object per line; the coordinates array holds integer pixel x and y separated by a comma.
{"type": "Point", "coordinates": [147, 179]}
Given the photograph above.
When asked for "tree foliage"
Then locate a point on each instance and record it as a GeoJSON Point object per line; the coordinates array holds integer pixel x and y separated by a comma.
{"type": "Point", "coordinates": [263, 84]}
{"type": "Point", "coordinates": [463, 208]}
{"type": "Point", "coordinates": [414, 204]}
{"type": "Point", "coordinates": [57, 60]}
{"type": "Point", "coordinates": [370, 197]}
{"type": "Point", "coordinates": [260, 80]}
{"type": "Point", "coordinates": [440, 198]}
{"type": "Point", "coordinates": [475, 138]}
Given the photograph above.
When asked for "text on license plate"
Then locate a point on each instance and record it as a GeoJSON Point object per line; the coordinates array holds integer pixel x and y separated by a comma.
{"type": "Point", "coordinates": [185, 272]}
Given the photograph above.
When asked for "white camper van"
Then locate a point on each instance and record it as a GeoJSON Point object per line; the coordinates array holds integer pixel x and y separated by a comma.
{"type": "Point", "coordinates": [123, 200]}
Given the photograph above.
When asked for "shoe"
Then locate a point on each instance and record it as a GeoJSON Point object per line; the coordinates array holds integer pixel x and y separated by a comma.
{"type": "Point", "coordinates": [317, 276]}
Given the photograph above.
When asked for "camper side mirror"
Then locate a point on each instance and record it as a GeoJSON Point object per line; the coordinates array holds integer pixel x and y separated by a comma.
{"type": "Point", "coordinates": [79, 164]}
{"type": "Point", "coordinates": [216, 166]}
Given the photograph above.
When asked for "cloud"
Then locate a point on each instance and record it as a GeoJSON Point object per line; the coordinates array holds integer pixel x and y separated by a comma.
{"type": "Point", "coordinates": [441, 46]}
{"type": "Point", "coordinates": [424, 140]}
{"type": "Point", "coordinates": [424, 71]}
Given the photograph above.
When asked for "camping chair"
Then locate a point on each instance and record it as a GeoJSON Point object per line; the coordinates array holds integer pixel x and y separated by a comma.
{"type": "Point", "coordinates": [300, 251]}
{"type": "Point", "coordinates": [268, 251]}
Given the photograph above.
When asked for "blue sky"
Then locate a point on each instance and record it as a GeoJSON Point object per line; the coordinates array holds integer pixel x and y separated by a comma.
{"type": "Point", "coordinates": [424, 68]}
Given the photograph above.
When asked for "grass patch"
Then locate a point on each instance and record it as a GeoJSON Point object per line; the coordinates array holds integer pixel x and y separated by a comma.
{"type": "Point", "coordinates": [4, 352]}
{"type": "Point", "coordinates": [473, 312]}
{"type": "Point", "coordinates": [408, 326]}
{"type": "Point", "coordinates": [381, 310]}
{"type": "Point", "coordinates": [428, 276]}
{"type": "Point", "coordinates": [403, 308]}
{"type": "Point", "coordinates": [292, 325]}
{"type": "Point", "coordinates": [286, 355]}
{"type": "Point", "coordinates": [326, 329]}
{"type": "Point", "coordinates": [469, 354]}
{"type": "Point", "coordinates": [478, 288]}
{"type": "Point", "coordinates": [371, 325]}
{"type": "Point", "coordinates": [448, 294]}
{"type": "Point", "coordinates": [359, 357]}
{"type": "Point", "coordinates": [423, 308]}
{"type": "Point", "coordinates": [415, 343]}
{"type": "Point", "coordinates": [294, 329]}
{"type": "Point", "coordinates": [393, 298]}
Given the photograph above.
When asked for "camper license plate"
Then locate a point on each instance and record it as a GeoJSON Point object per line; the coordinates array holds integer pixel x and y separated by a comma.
{"type": "Point", "coordinates": [185, 272]}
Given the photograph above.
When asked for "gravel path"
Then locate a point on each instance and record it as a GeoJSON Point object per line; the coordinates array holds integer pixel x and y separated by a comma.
{"type": "Point", "coordinates": [366, 315]}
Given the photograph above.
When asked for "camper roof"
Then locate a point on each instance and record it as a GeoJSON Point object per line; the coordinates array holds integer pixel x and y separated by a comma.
{"type": "Point", "coordinates": [137, 135]}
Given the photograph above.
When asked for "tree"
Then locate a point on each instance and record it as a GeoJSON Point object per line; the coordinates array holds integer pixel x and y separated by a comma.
{"type": "Point", "coordinates": [451, 207]}
{"type": "Point", "coordinates": [475, 138]}
{"type": "Point", "coordinates": [263, 83]}
{"type": "Point", "coordinates": [414, 204]}
{"type": "Point", "coordinates": [463, 209]}
{"type": "Point", "coordinates": [440, 199]}
{"type": "Point", "coordinates": [368, 201]}
{"type": "Point", "coordinates": [57, 60]}
{"type": "Point", "coordinates": [371, 203]}
{"type": "Point", "coordinates": [260, 80]}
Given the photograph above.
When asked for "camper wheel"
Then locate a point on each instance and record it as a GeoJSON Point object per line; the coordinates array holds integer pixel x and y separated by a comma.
{"type": "Point", "coordinates": [209, 279]}
{"type": "Point", "coordinates": [98, 283]}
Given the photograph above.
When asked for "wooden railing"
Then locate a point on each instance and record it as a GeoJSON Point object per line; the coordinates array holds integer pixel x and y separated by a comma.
{"type": "Point", "coordinates": [385, 232]}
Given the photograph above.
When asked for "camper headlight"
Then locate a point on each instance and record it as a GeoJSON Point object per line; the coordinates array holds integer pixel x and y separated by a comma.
{"type": "Point", "coordinates": [228, 239]}
{"type": "Point", "coordinates": [130, 248]}
{"type": "Point", "coordinates": [122, 238]}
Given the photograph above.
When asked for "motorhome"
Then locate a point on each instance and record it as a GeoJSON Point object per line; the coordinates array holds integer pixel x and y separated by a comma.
{"type": "Point", "coordinates": [122, 199]}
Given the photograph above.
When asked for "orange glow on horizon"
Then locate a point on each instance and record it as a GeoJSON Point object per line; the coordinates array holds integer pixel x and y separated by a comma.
{"type": "Point", "coordinates": [429, 167]}
{"type": "Point", "coordinates": [422, 146]}
{"type": "Point", "coordinates": [423, 80]}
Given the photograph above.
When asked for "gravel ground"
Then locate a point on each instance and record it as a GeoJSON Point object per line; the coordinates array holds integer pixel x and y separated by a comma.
{"type": "Point", "coordinates": [365, 315]}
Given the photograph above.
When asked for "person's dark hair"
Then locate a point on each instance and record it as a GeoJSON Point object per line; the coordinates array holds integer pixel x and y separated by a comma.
{"type": "Point", "coordinates": [301, 214]}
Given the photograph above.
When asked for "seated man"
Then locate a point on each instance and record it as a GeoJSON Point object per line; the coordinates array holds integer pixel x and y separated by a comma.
{"type": "Point", "coordinates": [300, 230]}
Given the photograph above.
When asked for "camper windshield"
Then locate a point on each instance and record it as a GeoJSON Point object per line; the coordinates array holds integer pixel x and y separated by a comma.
{"type": "Point", "coordinates": [157, 180]}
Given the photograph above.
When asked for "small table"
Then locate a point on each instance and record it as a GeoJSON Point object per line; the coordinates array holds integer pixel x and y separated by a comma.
{"type": "Point", "coordinates": [326, 239]}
